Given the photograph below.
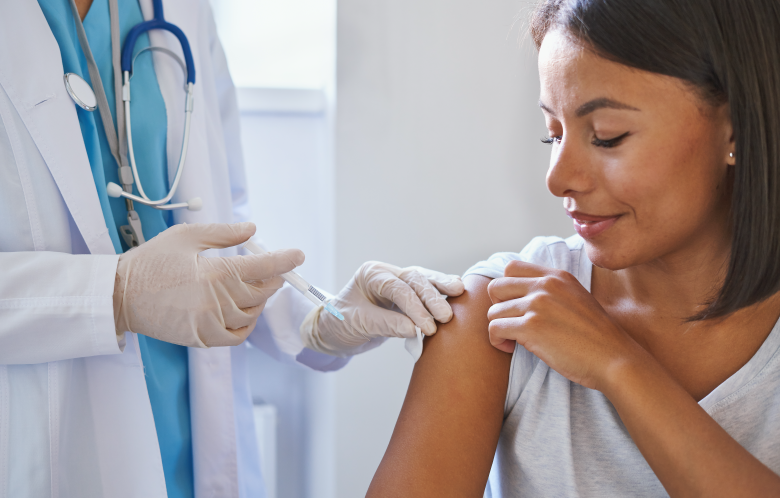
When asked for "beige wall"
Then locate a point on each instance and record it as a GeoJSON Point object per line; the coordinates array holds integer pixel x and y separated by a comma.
{"type": "Point", "coordinates": [438, 163]}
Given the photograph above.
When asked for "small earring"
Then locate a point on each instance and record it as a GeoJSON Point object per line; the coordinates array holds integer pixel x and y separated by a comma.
{"type": "Point", "coordinates": [731, 155]}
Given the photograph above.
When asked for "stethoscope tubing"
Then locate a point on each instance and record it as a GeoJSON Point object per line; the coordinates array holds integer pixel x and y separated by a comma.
{"type": "Point", "coordinates": [182, 157]}
{"type": "Point", "coordinates": [126, 64]}
{"type": "Point", "coordinates": [157, 23]}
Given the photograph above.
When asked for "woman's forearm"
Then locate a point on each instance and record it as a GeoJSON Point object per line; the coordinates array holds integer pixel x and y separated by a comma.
{"type": "Point", "coordinates": [689, 452]}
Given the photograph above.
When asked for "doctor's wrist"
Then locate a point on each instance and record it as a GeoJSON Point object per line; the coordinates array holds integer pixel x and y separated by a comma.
{"type": "Point", "coordinates": [310, 333]}
{"type": "Point", "coordinates": [118, 297]}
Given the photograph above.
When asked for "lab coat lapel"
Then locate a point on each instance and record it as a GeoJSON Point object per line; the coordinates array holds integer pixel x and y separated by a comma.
{"type": "Point", "coordinates": [31, 74]}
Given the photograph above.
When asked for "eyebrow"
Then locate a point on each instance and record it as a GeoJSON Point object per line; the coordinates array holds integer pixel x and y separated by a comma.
{"type": "Point", "coordinates": [594, 105]}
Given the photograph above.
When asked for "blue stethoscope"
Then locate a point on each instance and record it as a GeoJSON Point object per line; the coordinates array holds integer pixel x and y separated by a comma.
{"type": "Point", "coordinates": [84, 96]}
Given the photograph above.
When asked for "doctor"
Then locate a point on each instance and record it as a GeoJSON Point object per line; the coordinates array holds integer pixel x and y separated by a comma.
{"type": "Point", "coordinates": [88, 408]}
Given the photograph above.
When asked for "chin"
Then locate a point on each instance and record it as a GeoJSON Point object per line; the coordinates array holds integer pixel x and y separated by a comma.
{"type": "Point", "coordinates": [611, 256]}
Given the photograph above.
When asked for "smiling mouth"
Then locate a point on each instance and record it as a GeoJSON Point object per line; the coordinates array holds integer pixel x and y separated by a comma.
{"type": "Point", "coordinates": [589, 226]}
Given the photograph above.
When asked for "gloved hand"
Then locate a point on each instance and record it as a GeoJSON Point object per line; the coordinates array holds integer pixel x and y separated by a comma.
{"type": "Point", "coordinates": [164, 289]}
{"type": "Point", "coordinates": [368, 303]}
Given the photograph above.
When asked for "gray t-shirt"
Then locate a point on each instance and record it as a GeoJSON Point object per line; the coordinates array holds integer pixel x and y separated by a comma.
{"type": "Point", "coordinates": [561, 439]}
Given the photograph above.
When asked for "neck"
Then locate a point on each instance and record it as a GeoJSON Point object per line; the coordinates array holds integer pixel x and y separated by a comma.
{"type": "Point", "coordinates": [83, 7]}
{"type": "Point", "coordinates": [676, 285]}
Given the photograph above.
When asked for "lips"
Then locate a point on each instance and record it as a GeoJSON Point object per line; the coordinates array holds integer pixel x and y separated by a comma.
{"type": "Point", "coordinates": [589, 226]}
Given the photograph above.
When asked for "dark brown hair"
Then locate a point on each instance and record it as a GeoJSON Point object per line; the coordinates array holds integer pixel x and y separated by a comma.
{"type": "Point", "coordinates": [729, 51]}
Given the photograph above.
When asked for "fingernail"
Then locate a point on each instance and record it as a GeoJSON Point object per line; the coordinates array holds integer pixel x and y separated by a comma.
{"type": "Point", "coordinates": [297, 256]}
{"type": "Point", "coordinates": [429, 328]}
{"type": "Point", "coordinates": [243, 229]}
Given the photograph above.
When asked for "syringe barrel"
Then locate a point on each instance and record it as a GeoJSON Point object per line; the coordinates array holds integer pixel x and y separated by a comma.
{"type": "Point", "coordinates": [296, 281]}
{"type": "Point", "coordinates": [291, 277]}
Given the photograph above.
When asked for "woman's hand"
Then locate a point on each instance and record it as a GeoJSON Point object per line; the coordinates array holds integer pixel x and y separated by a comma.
{"type": "Point", "coordinates": [551, 315]}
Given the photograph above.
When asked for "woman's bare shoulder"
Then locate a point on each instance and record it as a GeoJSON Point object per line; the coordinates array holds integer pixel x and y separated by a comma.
{"type": "Point", "coordinates": [446, 434]}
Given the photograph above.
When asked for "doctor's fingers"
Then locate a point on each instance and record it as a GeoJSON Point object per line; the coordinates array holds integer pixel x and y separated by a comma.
{"type": "Point", "coordinates": [449, 285]}
{"type": "Point", "coordinates": [239, 323]}
{"type": "Point", "coordinates": [202, 236]}
{"type": "Point", "coordinates": [405, 298]}
{"type": "Point", "coordinates": [239, 307]}
{"type": "Point", "coordinates": [236, 324]}
{"type": "Point", "coordinates": [253, 294]}
{"type": "Point", "coordinates": [258, 267]}
{"type": "Point", "coordinates": [433, 300]}
{"type": "Point", "coordinates": [225, 336]}
{"type": "Point", "coordinates": [198, 237]}
{"type": "Point", "coordinates": [379, 322]}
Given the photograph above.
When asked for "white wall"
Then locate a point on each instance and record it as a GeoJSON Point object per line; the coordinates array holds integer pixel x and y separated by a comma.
{"type": "Point", "coordinates": [438, 163]}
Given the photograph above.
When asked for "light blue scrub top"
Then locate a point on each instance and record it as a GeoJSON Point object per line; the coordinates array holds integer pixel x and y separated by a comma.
{"type": "Point", "coordinates": [165, 364]}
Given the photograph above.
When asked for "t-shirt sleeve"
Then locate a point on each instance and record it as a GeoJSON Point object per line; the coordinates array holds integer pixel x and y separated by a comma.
{"type": "Point", "coordinates": [536, 252]}
{"type": "Point", "coordinates": [552, 252]}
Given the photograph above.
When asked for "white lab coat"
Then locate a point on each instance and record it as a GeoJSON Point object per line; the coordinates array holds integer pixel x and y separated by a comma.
{"type": "Point", "coordinates": [75, 417]}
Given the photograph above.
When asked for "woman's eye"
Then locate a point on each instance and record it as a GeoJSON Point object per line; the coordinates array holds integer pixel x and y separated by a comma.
{"type": "Point", "coordinates": [612, 142]}
{"type": "Point", "coordinates": [550, 140]}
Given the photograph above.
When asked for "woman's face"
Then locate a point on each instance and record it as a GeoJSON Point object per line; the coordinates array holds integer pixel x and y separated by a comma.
{"type": "Point", "coordinates": [638, 158]}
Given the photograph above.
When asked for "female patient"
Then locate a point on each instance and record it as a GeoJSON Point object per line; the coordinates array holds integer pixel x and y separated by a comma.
{"type": "Point", "coordinates": [645, 352]}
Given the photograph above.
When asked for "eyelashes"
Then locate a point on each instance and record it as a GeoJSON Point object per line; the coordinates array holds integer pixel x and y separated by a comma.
{"type": "Point", "coordinates": [612, 142]}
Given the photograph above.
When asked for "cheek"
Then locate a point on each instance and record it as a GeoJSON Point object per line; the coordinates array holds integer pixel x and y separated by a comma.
{"type": "Point", "coordinates": [660, 187]}
{"type": "Point", "coordinates": [669, 194]}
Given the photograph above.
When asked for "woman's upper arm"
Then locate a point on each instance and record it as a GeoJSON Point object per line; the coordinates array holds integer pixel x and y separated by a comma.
{"type": "Point", "coordinates": [446, 435]}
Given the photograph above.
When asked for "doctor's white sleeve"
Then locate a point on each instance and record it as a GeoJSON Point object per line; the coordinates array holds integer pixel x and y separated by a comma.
{"type": "Point", "coordinates": [56, 306]}
{"type": "Point", "coordinates": [277, 332]}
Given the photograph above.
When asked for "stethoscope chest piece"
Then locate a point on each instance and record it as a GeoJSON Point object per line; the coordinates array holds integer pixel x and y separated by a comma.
{"type": "Point", "coordinates": [80, 91]}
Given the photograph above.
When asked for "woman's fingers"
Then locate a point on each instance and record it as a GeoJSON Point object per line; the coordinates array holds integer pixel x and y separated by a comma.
{"type": "Point", "coordinates": [528, 278]}
{"type": "Point", "coordinates": [508, 288]}
{"type": "Point", "coordinates": [525, 270]}
{"type": "Point", "coordinates": [506, 345]}
{"type": "Point", "coordinates": [506, 329]}
{"type": "Point", "coordinates": [509, 309]}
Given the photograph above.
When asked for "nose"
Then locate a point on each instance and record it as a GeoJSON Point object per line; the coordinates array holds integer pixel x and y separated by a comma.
{"type": "Point", "coordinates": [569, 173]}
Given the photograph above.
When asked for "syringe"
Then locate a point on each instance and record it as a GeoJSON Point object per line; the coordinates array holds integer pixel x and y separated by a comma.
{"type": "Point", "coordinates": [300, 284]}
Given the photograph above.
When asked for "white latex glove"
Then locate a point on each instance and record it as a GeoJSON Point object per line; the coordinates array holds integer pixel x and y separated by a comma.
{"type": "Point", "coordinates": [164, 289]}
{"type": "Point", "coordinates": [368, 303]}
